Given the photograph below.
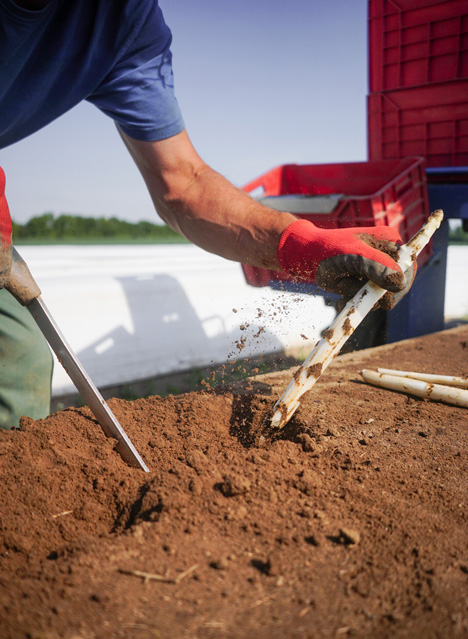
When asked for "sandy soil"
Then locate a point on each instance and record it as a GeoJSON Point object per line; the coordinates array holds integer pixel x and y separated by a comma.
{"type": "Point", "coordinates": [352, 522]}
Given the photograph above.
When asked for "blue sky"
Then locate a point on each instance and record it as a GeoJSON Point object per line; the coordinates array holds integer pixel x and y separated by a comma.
{"type": "Point", "coordinates": [260, 83]}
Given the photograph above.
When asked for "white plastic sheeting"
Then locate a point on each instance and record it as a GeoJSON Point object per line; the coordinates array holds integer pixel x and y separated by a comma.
{"type": "Point", "coordinates": [136, 311]}
{"type": "Point", "coordinates": [132, 312]}
{"type": "Point", "coordinates": [456, 290]}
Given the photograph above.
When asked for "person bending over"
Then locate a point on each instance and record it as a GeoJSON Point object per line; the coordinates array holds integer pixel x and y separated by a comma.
{"type": "Point", "coordinates": [116, 55]}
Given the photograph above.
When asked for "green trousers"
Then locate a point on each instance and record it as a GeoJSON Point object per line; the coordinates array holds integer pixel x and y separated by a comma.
{"type": "Point", "coordinates": [26, 365]}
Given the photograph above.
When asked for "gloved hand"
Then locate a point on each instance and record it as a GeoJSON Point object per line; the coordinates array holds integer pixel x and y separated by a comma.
{"type": "Point", "coordinates": [5, 234]}
{"type": "Point", "coordinates": [342, 260]}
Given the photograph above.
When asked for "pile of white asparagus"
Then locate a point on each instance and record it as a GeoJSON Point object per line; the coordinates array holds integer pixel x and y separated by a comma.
{"type": "Point", "coordinates": [441, 388]}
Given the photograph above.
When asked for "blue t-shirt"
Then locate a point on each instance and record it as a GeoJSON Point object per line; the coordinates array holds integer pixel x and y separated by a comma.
{"type": "Point", "coordinates": [113, 53]}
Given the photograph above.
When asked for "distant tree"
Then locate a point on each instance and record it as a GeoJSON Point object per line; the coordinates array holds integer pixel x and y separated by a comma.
{"type": "Point", "coordinates": [40, 226]}
{"type": "Point", "coordinates": [458, 235]}
{"type": "Point", "coordinates": [68, 227]}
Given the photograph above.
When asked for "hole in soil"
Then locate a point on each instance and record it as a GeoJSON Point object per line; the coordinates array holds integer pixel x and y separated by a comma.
{"type": "Point", "coordinates": [248, 418]}
{"type": "Point", "coordinates": [262, 566]}
{"type": "Point", "coordinates": [311, 540]}
{"type": "Point", "coordinates": [250, 422]}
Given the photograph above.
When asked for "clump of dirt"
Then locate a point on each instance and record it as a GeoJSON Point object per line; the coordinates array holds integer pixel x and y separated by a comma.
{"type": "Point", "coordinates": [394, 280]}
{"type": "Point", "coordinates": [315, 370]}
{"type": "Point", "coordinates": [389, 300]}
{"type": "Point", "coordinates": [347, 326]}
{"type": "Point", "coordinates": [349, 522]}
{"type": "Point", "coordinates": [390, 248]}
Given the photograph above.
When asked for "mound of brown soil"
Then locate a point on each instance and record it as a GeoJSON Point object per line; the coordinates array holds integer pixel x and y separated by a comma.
{"type": "Point", "coordinates": [352, 522]}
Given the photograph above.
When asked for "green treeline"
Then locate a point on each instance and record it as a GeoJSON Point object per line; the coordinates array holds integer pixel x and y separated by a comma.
{"type": "Point", "coordinates": [69, 228]}
{"type": "Point", "coordinates": [458, 236]}
{"type": "Point", "coordinates": [92, 230]}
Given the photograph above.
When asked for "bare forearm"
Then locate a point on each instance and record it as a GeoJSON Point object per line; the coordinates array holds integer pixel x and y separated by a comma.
{"type": "Point", "coordinates": [224, 220]}
{"type": "Point", "coordinates": [208, 210]}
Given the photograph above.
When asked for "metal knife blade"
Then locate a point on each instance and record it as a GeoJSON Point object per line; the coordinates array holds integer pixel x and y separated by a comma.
{"type": "Point", "coordinates": [83, 382]}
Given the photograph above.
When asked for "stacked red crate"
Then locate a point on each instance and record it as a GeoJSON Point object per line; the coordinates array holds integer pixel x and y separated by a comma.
{"type": "Point", "coordinates": [418, 80]}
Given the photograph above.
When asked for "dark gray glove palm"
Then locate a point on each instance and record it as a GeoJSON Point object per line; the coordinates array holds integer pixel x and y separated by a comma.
{"type": "Point", "coordinates": [346, 274]}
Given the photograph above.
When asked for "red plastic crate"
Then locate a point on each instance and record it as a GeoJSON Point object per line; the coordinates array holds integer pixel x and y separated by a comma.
{"type": "Point", "coordinates": [388, 192]}
{"type": "Point", "coordinates": [418, 80]}
{"type": "Point", "coordinates": [430, 120]}
{"type": "Point", "coordinates": [414, 42]}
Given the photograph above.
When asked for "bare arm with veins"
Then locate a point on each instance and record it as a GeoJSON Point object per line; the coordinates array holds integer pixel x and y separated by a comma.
{"type": "Point", "coordinates": [204, 207]}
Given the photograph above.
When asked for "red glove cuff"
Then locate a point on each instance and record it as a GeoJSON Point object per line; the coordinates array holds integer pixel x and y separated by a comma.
{"type": "Point", "coordinates": [5, 219]}
{"type": "Point", "coordinates": [298, 251]}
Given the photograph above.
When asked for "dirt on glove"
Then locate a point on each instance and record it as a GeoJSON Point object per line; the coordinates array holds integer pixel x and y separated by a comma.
{"type": "Point", "coordinates": [351, 522]}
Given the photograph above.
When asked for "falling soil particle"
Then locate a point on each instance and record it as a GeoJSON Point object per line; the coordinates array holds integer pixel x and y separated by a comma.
{"type": "Point", "coordinates": [233, 534]}
{"type": "Point", "coordinates": [240, 344]}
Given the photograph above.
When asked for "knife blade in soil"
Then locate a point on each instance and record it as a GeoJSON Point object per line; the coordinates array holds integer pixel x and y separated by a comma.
{"type": "Point", "coordinates": [83, 382]}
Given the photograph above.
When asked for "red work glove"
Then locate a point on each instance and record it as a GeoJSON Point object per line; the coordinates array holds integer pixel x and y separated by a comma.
{"type": "Point", "coordinates": [342, 260]}
{"type": "Point", "coordinates": [5, 234]}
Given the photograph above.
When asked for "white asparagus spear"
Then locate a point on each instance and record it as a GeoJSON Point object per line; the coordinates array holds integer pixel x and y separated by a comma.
{"type": "Point", "coordinates": [437, 392]}
{"type": "Point", "coordinates": [445, 380]}
{"type": "Point", "coordinates": [344, 325]}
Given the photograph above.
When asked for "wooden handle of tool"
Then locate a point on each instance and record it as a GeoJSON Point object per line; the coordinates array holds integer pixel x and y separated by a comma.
{"type": "Point", "coordinates": [21, 283]}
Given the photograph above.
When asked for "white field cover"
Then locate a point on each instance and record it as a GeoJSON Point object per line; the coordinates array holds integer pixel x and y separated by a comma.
{"type": "Point", "coordinates": [132, 312]}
